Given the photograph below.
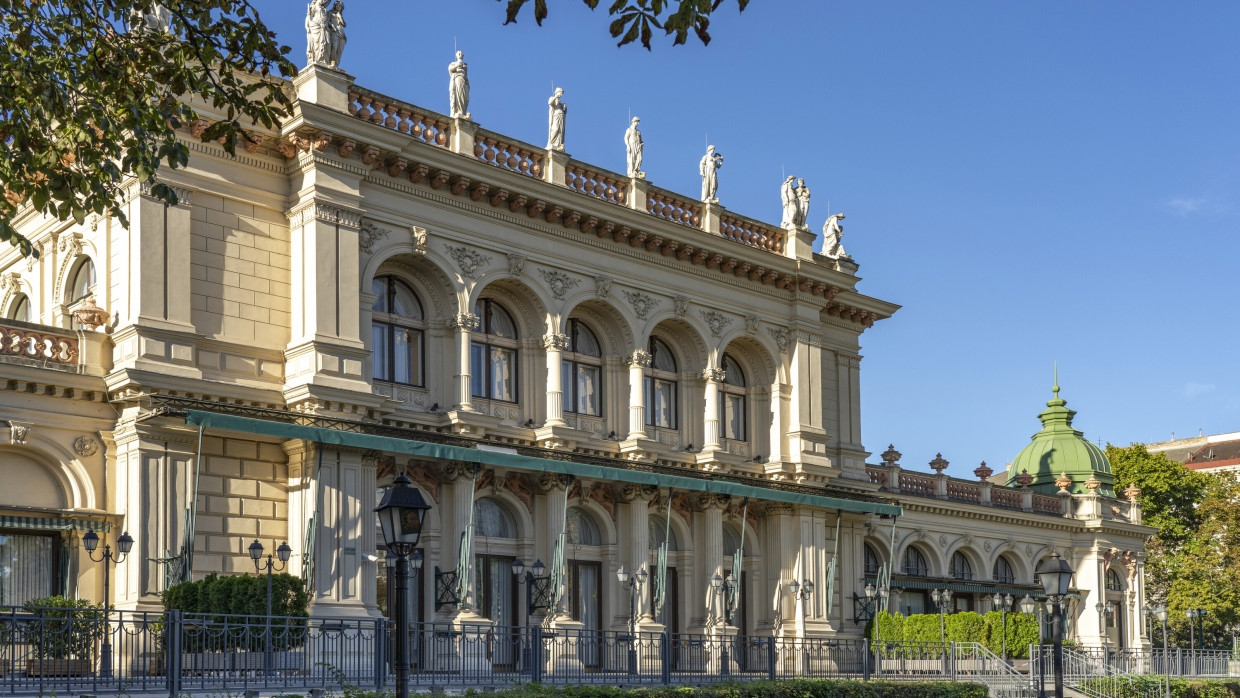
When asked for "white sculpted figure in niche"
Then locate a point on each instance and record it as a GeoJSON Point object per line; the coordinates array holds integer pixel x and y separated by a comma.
{"type": "Point", "coordinates": [316, 32]}
{"type": "Point", "coordinates": [709, 169]}
{"type": "Point", "coordinates": [335, 34]}
{"type": "Point", "coordinates": [833, 236]}
{"type": "Point", "coordinates": [557, 110]}
{"type": "Point", "coordinates": [458, 87]}
{"type": "Point", "coordinates": [802, 207]}
{"type": "Point", "coordinates": [633, 150]}
{"type": "Point", "coordinates": [788, 197]}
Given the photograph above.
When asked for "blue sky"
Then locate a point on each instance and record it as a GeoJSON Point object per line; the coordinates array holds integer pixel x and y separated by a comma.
{"type": "Point", "coordinates": [1034, 181]}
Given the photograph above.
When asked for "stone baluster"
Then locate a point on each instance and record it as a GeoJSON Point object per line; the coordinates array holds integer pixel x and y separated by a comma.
{"type": "Point", "coordinates": [555, 344]}
{"type": "Point", "coordinates": [638, 361]}
{"type": "Point", "coordinates": [464, 324]}
{"type": "Point", "coordinates": [712, 376]}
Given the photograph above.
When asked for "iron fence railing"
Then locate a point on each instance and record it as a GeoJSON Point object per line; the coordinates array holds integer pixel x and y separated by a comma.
{"type": "Point", "coordinates": [46, 651]}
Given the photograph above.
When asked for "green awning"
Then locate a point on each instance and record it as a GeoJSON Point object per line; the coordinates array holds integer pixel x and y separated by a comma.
{"type": "Point", "coordinates": [964, 587]}
{"type": "Point", "coordinates": [432, 451]}
{"type": "Point", "coordinates": [41, 523]}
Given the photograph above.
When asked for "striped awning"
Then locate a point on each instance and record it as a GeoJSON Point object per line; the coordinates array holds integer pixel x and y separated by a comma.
{"type": "Point", "coordinates": [965, 587]}
{"type": "Point", "coordinates": [51, 523]}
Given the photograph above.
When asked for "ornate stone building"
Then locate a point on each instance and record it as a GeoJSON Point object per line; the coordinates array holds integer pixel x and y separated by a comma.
{"type": "Point", "coordinates": [544, 345]}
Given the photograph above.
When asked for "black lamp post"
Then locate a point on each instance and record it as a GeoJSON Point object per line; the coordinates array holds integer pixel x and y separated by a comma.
{"type": "Point", "coordinates": [1055, 574]}
{"type": "Point", "coordinates": [124, 544]}
{"type": "Point", "coordinates": [256, 554]}
{"type": "Point", "coordinates": [877, 596]}
{"type": "Point", "coordinates": [1104, 613]}
{"type": "Point", "coordinates": [1003, 602]}
{"type": "Point", "coordinates": [1160, 612]}
{"type": "Point", "coordinates": [401, 514]}
{"type": "Point", "coordinates": [720, 586]}
{"type": "Point", "coordinates": [941, 598]}
{"type": "Point", "coordinates": [532, 577]}
{"type": "Point", "coordinates": [633, 583]}
{"type": "Point", "coordinates": [1029, 606]}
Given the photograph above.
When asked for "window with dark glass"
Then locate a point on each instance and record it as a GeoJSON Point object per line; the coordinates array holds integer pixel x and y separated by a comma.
{"type": "Point", "coordinates": [913, 563]}
{"type": "Point", "coordinates": [493, 353]}
{"type": "Point", "coordinates": [661, 407]}
{"type": "Point", "coordinates": [732, 400]}
{"type": "Point", "coordinates": [1004, 573]}
{"type": "Point", "coordinates": [581, 374]}
{"type": "Point", "coordinates": [871, 560]}
{"type": "Point", "coordinates": [961, 569]}
{"type": "Point", "coordinates": [396, 332]}
{"type": "Point", "coordinates": [1113, 581]}
{"type": "Point", "coordinates": [21, 309]}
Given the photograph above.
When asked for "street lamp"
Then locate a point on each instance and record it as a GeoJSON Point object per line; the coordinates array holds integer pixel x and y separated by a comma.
{"type": "Point", "coordinates": [1055, 574]}
{"type": "Point", "coordinates": [726, 588]}
{"type": "Point", "coordinates": [1232, 629]}
{"type": "Point", "coordinates": [1003, 602]}
{"type": "Point", "coordinates": [1195, 614]}
{"type": "Point", "coordinates": [941, 598]}
{"type": "Point", "coordinates": [1160, 612]}
{"type": "Point", "coordinates": [1104, 613]}
{"type": "Point", "coordinates": [533, 577]}
{"type": "Point", "coordinates": [256, 554]}
{"type": "Point", "coordinates": [124, 544]}
{"type": "Point", "coordinates": [881, 593]}
{"type": "Point", "coordinates": [402, 512]}
{"type": "Point", "coordinates": [633, 584]}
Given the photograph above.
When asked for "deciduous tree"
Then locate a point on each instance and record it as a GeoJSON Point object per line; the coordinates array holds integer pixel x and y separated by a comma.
{"type": "Point", "coordinates": [635, 20]}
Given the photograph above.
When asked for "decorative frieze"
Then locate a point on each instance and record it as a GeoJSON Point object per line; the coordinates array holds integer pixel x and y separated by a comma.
{"type": "Point", "coordinates": [325, 213]}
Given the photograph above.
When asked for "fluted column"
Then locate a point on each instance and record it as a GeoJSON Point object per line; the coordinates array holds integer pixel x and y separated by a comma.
{"type": "Point", "coordinates": [554, 485]}
{"type": "Point", "coordinates": [638, 498]}
{"type": "Point", "coordinates": [555, 344]}
{"type": "Point", "coordinates": [710, 507]}
{"type": "Point", "coordinates": [712, 376]}
{"type": "Point", "coordinates": [638, 361]}
{"type": "Point", "coordinates": [459, 479]}
{"type": "Point", "coordinates": [464, 324]}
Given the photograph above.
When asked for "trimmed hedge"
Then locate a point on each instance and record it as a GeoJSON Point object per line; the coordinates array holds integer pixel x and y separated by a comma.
{"type": "Point", "coordinates": [1180, 688]}
{"type": "Point", "coordinates": [215, 597]}
{"type": "Point", "coordinates": [795, 688]}
{"type": "Point", "coordinates": [68, 630]}
{"type": "Point", "coordinates": [924, 628]}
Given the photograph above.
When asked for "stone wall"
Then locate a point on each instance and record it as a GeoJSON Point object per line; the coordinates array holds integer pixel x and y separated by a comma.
{"type": "Point", "coordinates": [243, 495]}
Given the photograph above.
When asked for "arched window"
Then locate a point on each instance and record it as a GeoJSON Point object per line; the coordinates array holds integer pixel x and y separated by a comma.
{"type": "Point", "coordinates": [661, 407]}
{"type": "Point", "coordinates": [961, 569]}
{"type": "Point", "coordinates": [492, 520]}
{"type": "Point", "coordinates": [913, 563]}
{"type": "Point", "coordinates": [582, 371]}
{"type": "Point", "coordinates": [83, 281]}
{"type": "Point", "coordinates": [1113, 581]}
{"type": "Point", "coordinates": [732, 400]}
{"type": "Point", "coordinates": [871, 560]}
{"type": "Point", "coordinates": [581, 528]}
{"type": "Point", "coordinates": [493, 353]}
{"type": "Point", "coordinates": [658, 530]}
{"type": "Point", "coordinates": [1004, 574]}
{"type": "Point", "coordinates": [21, 308]}
{"type": "Point", "coordinates": [731, 540]}
{"type": "Point", "coordinates": [396, 331]}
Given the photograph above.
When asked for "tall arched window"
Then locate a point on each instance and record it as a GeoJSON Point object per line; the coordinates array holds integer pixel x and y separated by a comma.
{"type": "Point", "coordinates": [83, 283]}
{"type": "Point", "coordinates": [961, 569]}
{"type": "Point", "coordinates": [493, 520]}
{"type": "Point", "coordinates": [913, 563]}
{"type": "Point", "coordinates": [732, 400]}
{"type": "Point", "coordinates": [493, 353]}
{"type": "Point", "coordinates": [731, 540]}
{"type": "Point", "coordinates": [581, 376]}
{"type": "Point", "coordinates": [1004, 574]}
{"type": "Point", "coordinates": [661, 406]}
{"type": "Point", "coordinates": [871, 560]}
{"type": "Point", "coordinates": [1113, 581]}
{"type": "Point", "coordinates": [581, 529]}
{"type": "Point", "coordinates": [660, 531]}
{"type": "Point", "coordinates": [396, 331]}
{"type": "Point", "coordinates": [21, 309]}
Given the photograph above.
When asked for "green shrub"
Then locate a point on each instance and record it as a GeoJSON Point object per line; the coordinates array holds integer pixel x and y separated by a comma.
{"type": "Point", "coordinates": [212, 600]}
{"type": "Point", "coordinates": [1022, 631]}
{"type": "Point", "coordinates": [1180, 688]}
{"type": "Point", "coordinates": [68, 628]}
{"type": "Point", "coordinates": [795, 688]}
{"type": "Point", "coordinates": [966, 627]}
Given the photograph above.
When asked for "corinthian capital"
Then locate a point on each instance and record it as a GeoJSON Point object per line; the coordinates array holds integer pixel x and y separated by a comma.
{"type": "Point", "coordinates": [549, 482]}
{"type": "Point", "coordinates": [639, 357]}
{"type": "Point", "coordinates": [463, 321]}
{"type": "Point", "coordinates": [711, 500]}
{"type": "Point", "coordinates": [555, 342]}
{"type": "Point", "coordinates": [633, 491]}
{"type": "Point", "coordinates": [714, 375]}
{"type": "Point", "coordinates": [455, 470]}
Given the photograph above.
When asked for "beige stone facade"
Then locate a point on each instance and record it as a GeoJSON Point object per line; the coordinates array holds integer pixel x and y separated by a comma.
{"type": "Point", "coordinates": [377, 267]}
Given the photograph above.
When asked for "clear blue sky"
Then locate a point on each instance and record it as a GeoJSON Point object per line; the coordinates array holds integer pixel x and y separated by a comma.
{"type": "Point", "coordinates": [1032, 180]}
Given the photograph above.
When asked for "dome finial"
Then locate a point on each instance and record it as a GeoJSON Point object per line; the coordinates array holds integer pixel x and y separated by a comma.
{"type": "Point", "coordinates": [1055, 387]}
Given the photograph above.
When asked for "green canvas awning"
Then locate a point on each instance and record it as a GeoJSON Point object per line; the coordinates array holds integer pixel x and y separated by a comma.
{"type": "Point", "coordinates": [46, 523]}
{"type": "Point", "coordinates": [965, 587]}
{"type": "Point", "coordinates": [433, 451]}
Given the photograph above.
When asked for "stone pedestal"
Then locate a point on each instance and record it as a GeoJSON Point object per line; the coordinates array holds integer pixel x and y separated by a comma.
{"type": "Point", "coordinates": [324, 86]}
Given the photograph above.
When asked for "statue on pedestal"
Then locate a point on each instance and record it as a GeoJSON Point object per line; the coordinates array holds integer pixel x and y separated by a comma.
{"type": "Point", "coordinates": [316, 32]}
{"type": "Point", "coordinates": [833, 236]}
{"type": "Point", "coordinates": [709, 169]}
{"type": "Point", "coordinates": [458, 87]}
{"type": "Point", "coordinates": [633, 150]}
{"type": "Point", "coordinates": [788, 197]}
{"type": "Point", "coordinates": [335, 34]}
{"type": "Point", "coordinates": [802, 205]}
{"type": "Point", "coordinates": [557, 110]}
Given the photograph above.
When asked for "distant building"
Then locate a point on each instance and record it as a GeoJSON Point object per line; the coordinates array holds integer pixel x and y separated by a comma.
{"type": "Point", "coordinates": [1212, 453]}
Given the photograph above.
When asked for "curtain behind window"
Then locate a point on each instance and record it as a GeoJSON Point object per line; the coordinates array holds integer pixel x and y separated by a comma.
{"type": "Point", "coordinates": [27, 568]}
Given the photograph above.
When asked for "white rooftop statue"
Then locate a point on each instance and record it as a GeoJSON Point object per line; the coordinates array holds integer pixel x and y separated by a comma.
{"type": "Point", "coordinates": [458, 87]}
{"type": "Point", "coordinates": [801, 213]}
{"type": "Point", "coordinates": [633, 150]}
{"type": "Point", "coordinates": [557, 110]}
{"type": "Point", "coordinates": [156, 19]}
{"type": "Point", "coordinates": [788, 197]}
{"type": "Point", "coordinates": [709, 168]}
{"type": "Point", "coordinates": [324, 33]}
{"type": "Point", "coordinates": [833, 236]}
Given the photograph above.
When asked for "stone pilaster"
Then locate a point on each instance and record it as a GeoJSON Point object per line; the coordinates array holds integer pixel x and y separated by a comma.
{"type": "Point", "coordinates": [344, 580]}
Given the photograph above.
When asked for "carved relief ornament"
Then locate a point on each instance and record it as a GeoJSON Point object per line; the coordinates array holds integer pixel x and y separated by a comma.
{"type": "Point", "coordinates": [85, 446]}
{"type": "Point", "coordinates": [639, 357]}
{"type": "Point", "coordinates": [716, 321]}
{"type": "Point", "coordinates": [642, 304]}
{"type": "Point", "coordinates": [782, 337]}
{"type": "Point", "coordinates": [464, 321]}
{"type": "Point", "coordinates": [369, 235]}
{"type": "Point", "coordinates": [325, 213]}
{"type": "Point", "coordinates": [555, 342]}
{"type": "Point", "coordinates": [559, 282]}
{"type": "Point", "coordinates": [469, 260]}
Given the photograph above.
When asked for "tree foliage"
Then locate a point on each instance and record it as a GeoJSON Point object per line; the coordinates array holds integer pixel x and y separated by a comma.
{"type": "Point", "coordinates": [635, 20]}
{"type": "Point", "coordinates": [91, 94]}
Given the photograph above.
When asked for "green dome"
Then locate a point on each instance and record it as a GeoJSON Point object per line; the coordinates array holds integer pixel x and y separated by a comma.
{"type": "Point", "coordinates": [1059, 448]}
